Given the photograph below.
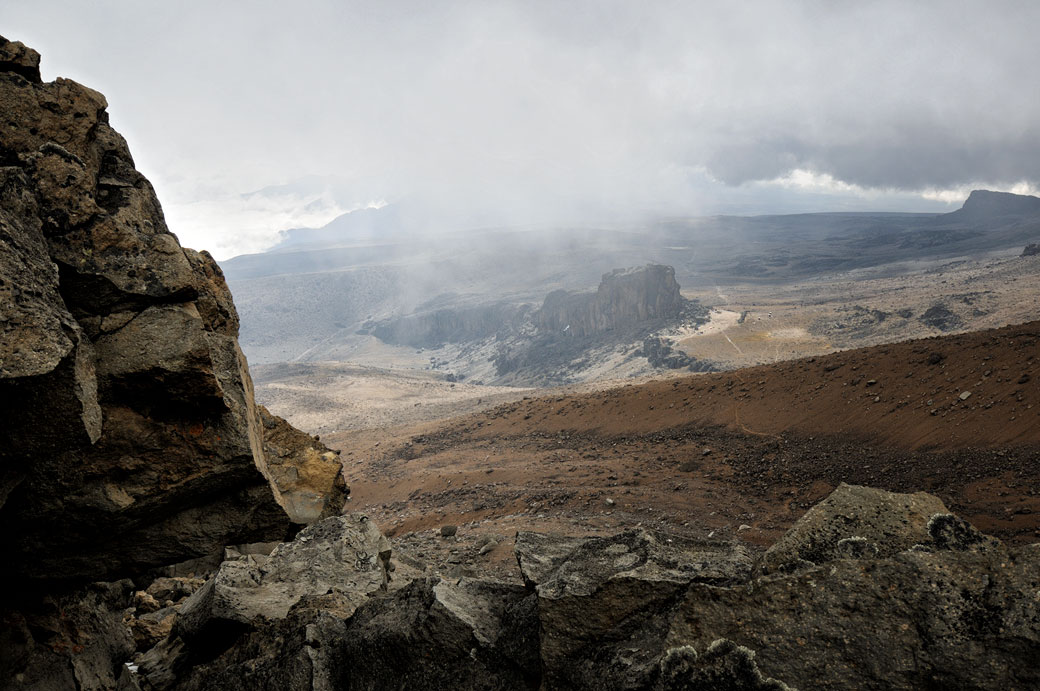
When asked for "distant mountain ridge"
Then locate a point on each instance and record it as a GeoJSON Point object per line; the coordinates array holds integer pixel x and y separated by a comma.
{"type": "Point", "coordinates": [984, 204]}
{"type": "Point", "coordinates": [318, 287]}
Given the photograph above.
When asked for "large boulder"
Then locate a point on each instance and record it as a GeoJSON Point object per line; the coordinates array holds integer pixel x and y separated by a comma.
{"type": "Point", "coordinates": [919, 619]}
{"type": "Point", "coordinates": [600, 607]}
{"type": "Point", "coordinates": [435, 634]}
{"type": "Point", "coordinates": [130, 436]}
{"type": "Point", "coordinates": [343, 554]}
{"type": "Point", "coordinates": [76, 640]}
{"type": "Point", "coordinates": [854, 521]}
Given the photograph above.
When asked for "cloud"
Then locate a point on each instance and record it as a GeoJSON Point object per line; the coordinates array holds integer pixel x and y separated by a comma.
{"type": "Point", "coordinates": [542, 111]}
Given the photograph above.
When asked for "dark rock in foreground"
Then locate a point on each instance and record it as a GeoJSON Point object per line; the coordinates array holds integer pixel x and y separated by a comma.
{"type": "Point", "coordinates": [935, 604]}
{"type": "Point", "coordinates": [130, 437]}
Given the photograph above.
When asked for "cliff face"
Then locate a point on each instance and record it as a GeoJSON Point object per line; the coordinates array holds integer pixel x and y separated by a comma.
{"type": "Point", "coordinates": [129, 437]}
{"type": "Point", "coordinates": [450, 325]}
{"type": "Point", "coordinates": [624, 297]}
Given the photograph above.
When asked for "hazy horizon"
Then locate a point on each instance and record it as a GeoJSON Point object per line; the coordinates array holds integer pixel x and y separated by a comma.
{"type": "Point", "coordinates": [252, 118]}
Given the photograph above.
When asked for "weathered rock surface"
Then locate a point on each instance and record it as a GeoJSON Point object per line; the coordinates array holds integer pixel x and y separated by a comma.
{"type": "Point", "coordinates": [335, 566]}
{"type": "Point", "coordinates": [935, 605]}
{"type": "Point", "coordinates": [963, 620]}
{"type": "Point", "coordinates": [130, 436]}
{"type": "Point", "coordinates": [76, 640]}
{"type": "Point", "coordinates": [308, 474]}
{"type": "Point", "coordinates": [624, 297]}
{"type": "Point", "coordinates": [344, 554]}
{"type": "Point", "coordinates": [604, 601]}
{"type": "Point", "coordinates": [436, 634]}
{"type": "Point", "coordinates": [854, 520]}
{"type": "Point", "coordinates": [1031, 250]}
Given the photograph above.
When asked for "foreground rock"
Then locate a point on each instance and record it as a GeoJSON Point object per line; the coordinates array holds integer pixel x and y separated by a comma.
{"type": "Point", "coordinates": [854, 522]}
{"type": "Point", "coordinates": [130, 436]}
{"type": "Point", "coordinates": [603, 602]}
{"type": "Point", "coordinates": [935, 605]}
{"type": "Point", "coordinates": [130, 439]}
{"type": "Point", "coordinates": [340, 561]}
{"type": "Point", "coordinates": [76, 640]}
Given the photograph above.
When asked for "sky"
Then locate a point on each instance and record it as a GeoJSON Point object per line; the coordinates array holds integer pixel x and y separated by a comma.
{"type": "Point", "coordinates": [254, 117]}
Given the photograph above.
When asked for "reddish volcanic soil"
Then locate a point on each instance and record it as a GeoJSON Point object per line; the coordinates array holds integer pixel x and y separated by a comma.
{"type": "Point", "coordinates": [741, 453]}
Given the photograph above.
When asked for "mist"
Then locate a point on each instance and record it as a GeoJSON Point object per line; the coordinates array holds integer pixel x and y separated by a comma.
{"type": "Point", "coordinates": [254, 118]}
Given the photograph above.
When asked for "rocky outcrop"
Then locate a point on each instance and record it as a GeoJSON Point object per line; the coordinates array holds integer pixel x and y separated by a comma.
{"type": "Point", "coordinates": [1031, 250]}
{"type": "Point", "coordinates": [893, 597]}
{"type": "Point", "coordinates": [308, 474]}
{"type": "Point", "coordinates": [604, 601]}
{"type": "Point", "coordinates": [854, 521]}
{"type": "Point", "coordinates": [130, 436]}
{"type": "Point", "coordinates": [624, 297]}
{"type": "Point", "coordinates": [339, 562]}
{"type": "Point", "coordinates": [660, 354]}
{"type": "Point", "coordinates": [989, 206]}
{"type": "Point", "coordinates": [75, 640]}
{"type": "Point", "coordinates": [434, 328]}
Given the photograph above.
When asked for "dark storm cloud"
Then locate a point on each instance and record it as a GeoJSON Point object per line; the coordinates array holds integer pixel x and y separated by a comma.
{"type": "Point", "coordinates": [546, 111]}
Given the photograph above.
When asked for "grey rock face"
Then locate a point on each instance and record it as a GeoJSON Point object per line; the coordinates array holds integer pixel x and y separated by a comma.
{"type": "Point", "coordinates": [646, 611]}
{"type": "Point", "coordinates": [888, 521]}
{"type": "Point", "coordinates": [600, 608]}
{"type": "Point", "coordinates": [914, 620]}
{"type": "Point", "coordinates": [469, 634]}
{"type": "Point", "coordinates": [76, 640]}
{"type": "Point", "coordinates": [624, 296]}
{"type": "Point", "coordinates": [341, 554]}
{"type": "Point", "coordinates": [324, 574]}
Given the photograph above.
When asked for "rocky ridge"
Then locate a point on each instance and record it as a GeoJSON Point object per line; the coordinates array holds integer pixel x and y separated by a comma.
{"type": "Point", "coordinates": [869, 590]}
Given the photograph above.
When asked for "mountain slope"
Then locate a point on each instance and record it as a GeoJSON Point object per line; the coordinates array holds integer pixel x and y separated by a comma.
{"type": "Point", "coordinates": [712, 452]}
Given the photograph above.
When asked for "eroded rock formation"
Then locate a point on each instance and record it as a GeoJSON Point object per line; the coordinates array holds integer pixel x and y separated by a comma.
{"type": "Point", "coordinates": [130, 436]}
{"type": "Point", "coordinates": [624, 297]}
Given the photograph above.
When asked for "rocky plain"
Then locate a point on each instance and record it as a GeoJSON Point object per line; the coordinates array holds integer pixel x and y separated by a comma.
{"type": "Point", "coordinates": [863, 519]}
